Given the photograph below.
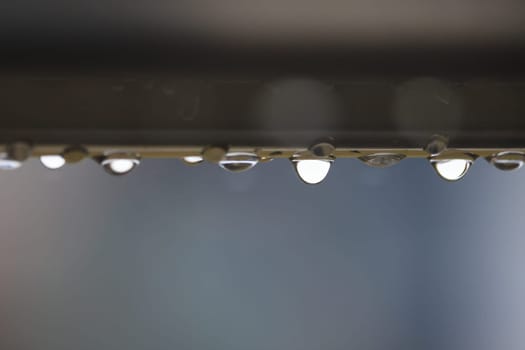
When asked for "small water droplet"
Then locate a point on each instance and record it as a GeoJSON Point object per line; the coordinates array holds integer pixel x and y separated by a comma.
{"type": "Point", "coordinates": [8, 164]}
{"type": "Point", "coordinates": [193, 160]}
{"type": "Point", "coordinates": [382, 160]}
{"type": "Point", "coordinates": [437, 145]}
{"type": "Point", "coordinates": [323, 149]}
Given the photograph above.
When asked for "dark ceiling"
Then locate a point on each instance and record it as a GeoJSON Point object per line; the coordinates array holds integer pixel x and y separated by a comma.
{"type": "Point", "coordinates": [378, 36]}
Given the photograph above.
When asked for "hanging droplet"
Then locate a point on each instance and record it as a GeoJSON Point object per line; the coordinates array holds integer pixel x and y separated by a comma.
{"type": "Point", "coordinates": [193, 160]}
{"type": "Point", "coordinates": [53, 162]}
{"type": "Point", "coordinates": [237, 162]}
{"type": "Point", "coordinates": [451, 169]}
{"type": "Point", "coordinates": [120, 163]}
{"type": "Point", "coordinates": [382, 160]}
{"type": "Point", "coordinates": [312, 171]}
{"type": "Point", "coordinates": [8, 164]}
{"type": "Point", "coordinates": [508, 161]}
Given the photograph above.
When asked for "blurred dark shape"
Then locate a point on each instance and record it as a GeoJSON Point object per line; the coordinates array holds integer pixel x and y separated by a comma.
{"type": "Point", "coordinates": [357, 37]}
{"type": "Point", "coordinates": [427, 103]}
{"type": "Point", "coordinates": [297, 104]}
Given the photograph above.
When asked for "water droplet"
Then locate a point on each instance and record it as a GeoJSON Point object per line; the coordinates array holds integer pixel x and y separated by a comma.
{"type": "Point", "coordinates": [312, 171]}
{"type": "Point", "coordinates": [193, 160]}
{"type": "Point", "coordinates": [382, 160]}
{"type": "Point", "coordinates": [53, 162]}
{"type": "Point", "coordinates": [451, 169]}
{"type": "Point", "coordinates": [120, 164]}
{"type": "Point", "coordinates": [214, 154]}
{"type": "Point", "coordinates": [237, 162]}
{"type": "Point", "coordinates": [19, 151]}
{"type": "Point", "coordinates": [437, 145]}
{"type": "Point", "coordinates": [508, 161]}
{"type": "Point", "coordinates": [9, 164]}
{"type": "Point", "coordinates": [323, 149]}
{"type": "Point", "coordinates": [75, 154]}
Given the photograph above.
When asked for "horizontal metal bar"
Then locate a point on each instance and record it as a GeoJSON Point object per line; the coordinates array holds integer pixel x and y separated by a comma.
{"type": "Point", "coordinates": [167, 151]}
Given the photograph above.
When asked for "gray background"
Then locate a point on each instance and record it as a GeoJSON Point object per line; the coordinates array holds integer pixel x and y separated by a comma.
{"type": "Point", "coordinates": [176, 257]}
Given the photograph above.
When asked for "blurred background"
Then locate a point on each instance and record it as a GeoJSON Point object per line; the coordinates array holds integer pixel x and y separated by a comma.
{"type": "Point", "coordinates": [176, 257]}
{"type": "Point", "coordinates": [194, 258]}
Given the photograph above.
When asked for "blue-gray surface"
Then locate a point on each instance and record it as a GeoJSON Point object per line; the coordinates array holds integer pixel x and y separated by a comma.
{"type": "Point", "coordinates": [176, 257]}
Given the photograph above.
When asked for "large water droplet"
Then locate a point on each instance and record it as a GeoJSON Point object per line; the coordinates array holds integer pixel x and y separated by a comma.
{"type": "Point", "coordinates": [451, 169]}
{"type": "Point", "coordinates": [312, 171]}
